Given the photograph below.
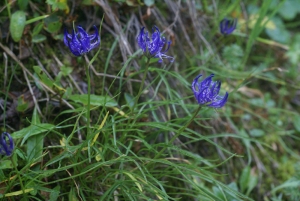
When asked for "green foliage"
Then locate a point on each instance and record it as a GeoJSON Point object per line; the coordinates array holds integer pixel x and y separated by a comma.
{"type": "Point", "coordinates": [17, 25]}
{"type": "Point", "coordinates": [93, 133]}
{"type": "Point", "coordinates": [233, 54]}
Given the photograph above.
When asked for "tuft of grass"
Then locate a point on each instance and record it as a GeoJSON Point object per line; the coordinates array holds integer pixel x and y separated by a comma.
{"type": "Point", "coordinates": [114, 125]}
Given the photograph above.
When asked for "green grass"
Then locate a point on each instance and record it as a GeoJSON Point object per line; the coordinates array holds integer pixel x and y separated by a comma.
{"type": "Point", "coordinates": [139, 134]}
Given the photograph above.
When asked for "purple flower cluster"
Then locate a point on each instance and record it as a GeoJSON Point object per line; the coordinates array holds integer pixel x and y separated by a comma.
{"type": "Point", "coordinates": [153, 48]}
{"type": "Point", "coordinates": [207, 92]}
{"type": "Point", "coordinates": [81, 43]}
{"type": "Point", "coordinates": [227, 26]}
{"type": "Point", "coordinates": [6, 148]}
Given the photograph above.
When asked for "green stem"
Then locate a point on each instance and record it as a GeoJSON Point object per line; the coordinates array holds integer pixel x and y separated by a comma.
{"type": "Point", "coordinates": [89, 99]}
{"type": "Point", "coordinates": [179, 132]}
{"type": "Point", "coordinates": [142, 85]}
{"type": "Point", "coordinates": [17, 171]}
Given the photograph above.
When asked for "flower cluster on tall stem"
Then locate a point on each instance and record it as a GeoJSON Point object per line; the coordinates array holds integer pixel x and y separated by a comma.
{"type": "Point", "coordinates": [207, 92]}
{"type": "Point", "coordinates": [6, 147]}
{"type": "Point", "coordinates": [80, 42]}
{"type": "Point", "coordinates": [154, 47]}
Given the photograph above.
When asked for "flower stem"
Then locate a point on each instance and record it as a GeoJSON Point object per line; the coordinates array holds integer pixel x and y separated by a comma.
{"type": "Point", "coordinates": [18, 173]}
{"type": "Point", "coordinates": [179, 132]}
{"type": "Point", "coordinates": [89, 99]}
{"type": "Point", "coordinates": [142, 85]}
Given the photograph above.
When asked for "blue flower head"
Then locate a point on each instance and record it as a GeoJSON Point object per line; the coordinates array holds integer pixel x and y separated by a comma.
{"type": "Point", "coordinates": [227, 26]}
{"type": "Point", "coordinates": [153, 48]}
{"type": "Point", "coordinates": [81, 43]}
{"type": "Point", "coordinates": [6, 148]}
{"type": "Point", "coordinates": [207, 92]}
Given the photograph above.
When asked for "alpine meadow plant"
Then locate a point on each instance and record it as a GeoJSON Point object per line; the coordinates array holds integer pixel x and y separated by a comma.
{"type": "Point", "coordinates": [153, 47]}
{"type": "Point", "coordinates": [207, 92]}
{"type": "Point", "coordinates": [81, 43]}
{"type": "Point", "coordinates": [6, 148]}
{"type": "Point", "coordinates": [227, 26]}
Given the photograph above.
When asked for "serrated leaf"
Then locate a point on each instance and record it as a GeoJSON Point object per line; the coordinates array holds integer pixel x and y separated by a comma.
{"type": "Point", "coordinates": [17, 25]}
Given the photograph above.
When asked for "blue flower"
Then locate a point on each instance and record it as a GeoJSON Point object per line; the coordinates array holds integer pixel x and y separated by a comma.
{"type": "Point", "coordinates": [81, 43]}
{"type": "Point", "coordinates": [227, 26]}
{"type": "Point", "coordinates": [153, 48]}
{"type": "Point", "coordinates": [207, 92]}
{"type": "Point", "coordinates": [5, 148]}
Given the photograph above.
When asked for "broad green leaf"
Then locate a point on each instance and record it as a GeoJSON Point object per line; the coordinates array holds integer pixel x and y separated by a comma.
{"type": "Point", "coordinates": [6, 164]}
{"type": "Point", "coordinates": [23, 4]}
{"type": "Point", "coordinates": [129, 99]}
{"type": "Point", "coordinates": [22, 104]}
{"type": "Point", "coordinates": [95, 100]}
{"type": "Point", "coordinates": [37, 28]}
{"type": "Point", "coordinates": [87, 2]}
{"type": "Point", "coordinates": [35, 142]}
{"type": "Point", "coordinates": [278, 32]}
{"type": "Point", "coordinates": [52, 23]}
{"type": "Point", "coordinates": [72, 195]}
{"type": "Point", "coordinates": [54, 193]}
{"type": "Point", "coordinates": [257, 132]}
{"type": "Point", "coordinates": [244, 179]}
{"type": "Point", "coordinates": [38, 38]}
{"type": "Point", "coordinates": [149, 2]}
{"type": "Point", "coordinates": [66, 70]}
{"type": "Point", "coordinates": [31, 131]}
{"type": "Point", "coordinates": [17, 24]}
{"type": "Point", "coordinates": [296, 121]}
{"type": "Point", "coordinates": [252, 182]}
{"type": "Point", "coordinates": [289, 9]}
{"type": "Point", "coordinates": [41, 74]}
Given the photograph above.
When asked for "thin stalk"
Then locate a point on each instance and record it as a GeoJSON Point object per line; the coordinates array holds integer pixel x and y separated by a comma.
{"type": "Point", "coordinates": [142, 85]}
{"type": "Point", "coordinates": [87, 69]}
{"type": "Point", "coordinates": [18, 173]}
{"type": "Point", "coordinates": [179, 132]}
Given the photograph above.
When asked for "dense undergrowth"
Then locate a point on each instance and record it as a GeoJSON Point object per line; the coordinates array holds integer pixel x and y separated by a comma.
{"type": "Point", "coordinates": [153, 144]}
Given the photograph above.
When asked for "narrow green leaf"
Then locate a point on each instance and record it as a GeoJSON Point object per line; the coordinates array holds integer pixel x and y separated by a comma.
{"type": "Point", "coordinates": [96, 100]}
{"type": "Point", "coordinates": [244, 178]}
